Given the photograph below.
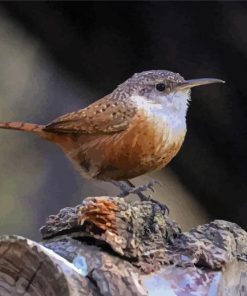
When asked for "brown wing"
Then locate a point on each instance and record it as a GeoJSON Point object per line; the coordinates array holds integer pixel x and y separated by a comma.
{"type": "Point", "coordinates": [104, 116]}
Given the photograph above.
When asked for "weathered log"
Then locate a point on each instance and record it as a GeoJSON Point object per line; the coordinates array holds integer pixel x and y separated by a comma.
{"type": "Point", "coordinates": [107, 246]}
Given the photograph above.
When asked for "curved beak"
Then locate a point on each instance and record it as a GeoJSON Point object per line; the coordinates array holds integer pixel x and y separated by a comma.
{"type": "Point", "coordinates": [197, 82]}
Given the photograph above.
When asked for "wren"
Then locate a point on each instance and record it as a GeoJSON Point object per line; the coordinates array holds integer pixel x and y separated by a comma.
{"type": "Point", "coordinates": [136, 129]}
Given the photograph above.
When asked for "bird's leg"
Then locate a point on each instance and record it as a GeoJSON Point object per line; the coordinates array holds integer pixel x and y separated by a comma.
{"type": "Point", "coordinates": [125, 188]}
{"type": "Point", "coordinates": [129, 188]}
{"type": "Point", "coordinates": [140, 189]}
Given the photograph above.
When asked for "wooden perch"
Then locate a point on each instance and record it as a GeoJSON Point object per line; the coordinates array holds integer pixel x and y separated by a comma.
{"type": "Point", "coordinates": [107, 246]}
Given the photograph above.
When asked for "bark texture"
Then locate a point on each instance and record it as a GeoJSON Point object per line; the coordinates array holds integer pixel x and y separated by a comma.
{"type": "Point", "coordinates": [107, 246]}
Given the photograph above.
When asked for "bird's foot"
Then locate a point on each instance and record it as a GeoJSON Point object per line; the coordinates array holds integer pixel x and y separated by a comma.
{"type": "Point", "coordinates": [126, 189]}
{"type": "Point", "coordinates": [162, 206]}
{"type": "Point", "coordinates": [150, 185]}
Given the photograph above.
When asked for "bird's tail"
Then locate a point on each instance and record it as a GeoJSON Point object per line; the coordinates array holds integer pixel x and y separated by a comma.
{"type": "Point", "coordinates": [22, 126]}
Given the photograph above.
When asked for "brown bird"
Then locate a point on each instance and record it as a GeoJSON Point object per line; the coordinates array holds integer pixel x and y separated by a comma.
{"type": "Point", "coordinates": [136, 129]}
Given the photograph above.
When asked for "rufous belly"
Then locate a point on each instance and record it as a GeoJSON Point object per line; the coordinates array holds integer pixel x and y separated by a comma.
{"type": "Point", "coordinates": [147, 145]}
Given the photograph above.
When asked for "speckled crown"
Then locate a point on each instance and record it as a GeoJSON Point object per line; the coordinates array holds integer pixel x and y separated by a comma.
{"type": "Point", "coordinates": [158, 74]}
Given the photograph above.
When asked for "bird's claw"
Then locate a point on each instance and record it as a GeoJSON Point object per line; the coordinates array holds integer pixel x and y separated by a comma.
{"type": "Point", "coordinates": [126, 190]}
{"type": "Point", "coordinates": [162, 206]}
{"type": "Point", "coordinates": [152, 183]}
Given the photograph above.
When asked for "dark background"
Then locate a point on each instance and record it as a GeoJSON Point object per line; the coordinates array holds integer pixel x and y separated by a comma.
{"type": "Point", "coordinates": [101, 44]}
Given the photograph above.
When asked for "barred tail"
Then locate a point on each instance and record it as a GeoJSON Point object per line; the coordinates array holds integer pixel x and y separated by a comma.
{"type": "Point", "coordinates": [22, 126]}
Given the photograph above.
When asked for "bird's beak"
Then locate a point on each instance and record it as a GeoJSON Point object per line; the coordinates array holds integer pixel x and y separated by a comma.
{"type": "Point", "coordinates": [197, 82]}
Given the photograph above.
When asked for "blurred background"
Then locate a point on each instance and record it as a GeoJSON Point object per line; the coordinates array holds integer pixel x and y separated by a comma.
{"type": "Point", "coordinates": [58, 57]}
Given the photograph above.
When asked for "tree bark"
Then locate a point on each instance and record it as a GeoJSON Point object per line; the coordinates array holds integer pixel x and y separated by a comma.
{"type": "Point", "coordinates": [106, 246]}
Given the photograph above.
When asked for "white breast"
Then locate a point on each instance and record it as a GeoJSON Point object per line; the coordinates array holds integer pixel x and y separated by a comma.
{"type": "Point", "coordinates": [166, 114]}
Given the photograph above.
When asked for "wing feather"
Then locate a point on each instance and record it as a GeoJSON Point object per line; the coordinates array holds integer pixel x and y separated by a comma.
{"type": "Point", "coordinates": [105, 116]}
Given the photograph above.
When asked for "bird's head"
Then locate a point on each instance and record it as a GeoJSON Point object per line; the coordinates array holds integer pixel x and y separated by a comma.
{"type": "Point", "coordinates": [164, 89]}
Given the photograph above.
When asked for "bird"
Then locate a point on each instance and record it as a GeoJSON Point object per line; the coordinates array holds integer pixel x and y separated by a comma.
{"type": "Point", "coordinates": [136, 129]}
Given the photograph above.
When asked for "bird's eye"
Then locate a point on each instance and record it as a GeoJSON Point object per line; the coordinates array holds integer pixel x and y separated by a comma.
{"type": "Point", "coordinates": [160, 86]}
